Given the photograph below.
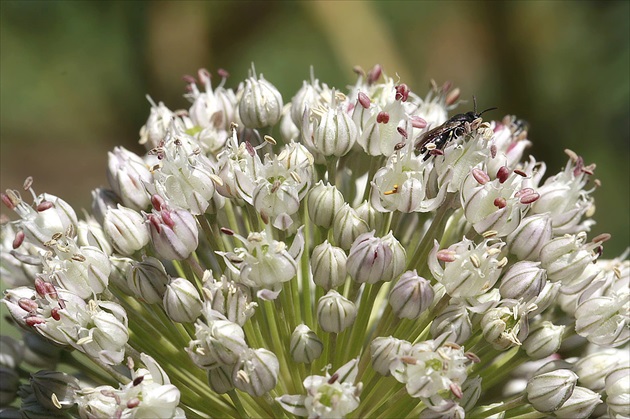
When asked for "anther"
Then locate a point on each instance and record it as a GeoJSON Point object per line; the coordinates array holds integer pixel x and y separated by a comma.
{"type": "Point", "coordinates": [601, 238]}
{"type": "Point", "coordinates": [270, 140]}
{"type": "Point", "coordinates": [452, 96]}
{"type": "Point", "coordinates": [408, 360]}
{"type": "Point", "coordinates": [446, 255]}
{"type": "Point", "coordinates": [168, 220]}
{"type": "Point", "coordinates": [475, 261]}
{"type": "Point", "coordinates": [364, 100]}
{"type": "Point", "coordinates": [382, 117]}
{"type": "Point", "coordinates": [502, 174]}
{"type": "Point", "coordinates": [158, 202]}
{"type": "Point", "coordinates": [402, 92]}
{"type": "Point", "coordinates": [333, 378]}
{"type": "Point", "coordinates": [28, 182]}
{"type": "Point", "coordinates": [27, 304]}
{"type": "Point", "coordinates": [223, 73]}
{"type": "Point", "coordinates": [138, 380]}
{"type": "Point", "coordinates": [418, 122]}
{"type": "Point", "coordinates": [391, 192]}
{"type": "Point", "coordinates": [572, 155]}
{"type": "Point", "coordinates": [54, 313]}
{"type": "Point", "coordinates": [250, 148]}
{"type": "Point", "coordinates": [490, 233]}
{"type": "Point", "coordinates": [520, 173]}
{"type": "Point", "coordinates": [43, 206]}
{"type": "Point", "coordinates": [374, 74]}
{"type": "Point", "coordinates": [402, 132]}
{"type": "Point", "coordinates": [493, 151]}
{"type": "Point", "coordinates": [480, 176]}
{"type": "Point", "coordinates": [500, 203]}
{"type": "Point", "coordinates": [227, 231]}
{"type": "Point", "coordinates": [400, 146]}
{"type": "Point", "coordinates": [135, 402]}
{"type": "Point", "coordinates": [19, 238]}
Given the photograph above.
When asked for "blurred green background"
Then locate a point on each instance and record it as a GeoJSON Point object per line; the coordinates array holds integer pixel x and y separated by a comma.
{"type": "Point", "coordinates": [73, 75]}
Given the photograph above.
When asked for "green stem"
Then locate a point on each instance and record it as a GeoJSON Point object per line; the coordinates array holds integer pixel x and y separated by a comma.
{"type": "Point", "coordinates": [517, 401]}
{"type": "Point", "coordinates": [331, 168]}
{"type": "Point", "coordinates": [237, 404]}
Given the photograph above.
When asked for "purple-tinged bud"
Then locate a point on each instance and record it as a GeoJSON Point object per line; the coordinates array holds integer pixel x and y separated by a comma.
{"type": "Point", "coordinates": [148, 280]}
{"type": "Point", "coordinates": [543, 341]}
{"type": "Point", "coordinates": [549, 391]}
{"type": "Point", "coordinates": [328, 264]}
{"type": "Point", "coordinates": [181, 301]}
{"type": "Point", "coordinates": [173, 233]}
{"type": "Point", "coordinates": [411, 296]}
{"type": "Point", "coordinates": [530, 236]}
{"type": "Point", "coordinates": [385, 350]}
{"type": "Point", "coordinates": [305, 345]}
{"type": "Point", "coordinates": [580, 405]}
{"type": "Point", "coordinates": [126, 230]}
{"type": "Point", "coordinates": [335, 313]}
{"type": "Point", "coordinates": [523, 280]}
{"type": "Point", "coordinates": [260, 103]}
{"type": "Point", "coordinates": [324, 202]}
{"type": "Point", "coordinates": [9, 384]}
{"type": "Point", "coordinates": [256, 372]}
{"type": "Point", "coordinates": [347, 226]}
{"type": "Point", "coordinates": [373, 259]}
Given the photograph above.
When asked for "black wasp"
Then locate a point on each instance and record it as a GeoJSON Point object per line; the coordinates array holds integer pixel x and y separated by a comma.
{"type": "Point", "coordinates": [453, 128]}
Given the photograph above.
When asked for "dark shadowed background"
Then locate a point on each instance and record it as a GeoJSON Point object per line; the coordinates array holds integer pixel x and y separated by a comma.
{"type": "Point", "coordinates": [74, 74]}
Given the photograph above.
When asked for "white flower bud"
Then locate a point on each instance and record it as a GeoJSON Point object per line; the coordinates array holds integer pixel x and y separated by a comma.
{"type": "Point", "coordinates": [220, 342]}
{"type": "Point", "coordinates": [173, 233]}
{"type": "Point", "coordinates": [523, 280]}
{"type": "Point", "coordinates": [374, 259]}
{"type": "Point", "coordinates": [411, 295]}
{"type": "Point", "coordinates": [126, 229]}
{"type": "Point", "coordinates": [334, 133]}
{"type": "Point", "coordinates": [335, 312]}
{"type": "Point", "coordinates": [104, 334]}
{"type": "Point", "coordinates": [385, 350]}
{"type": "Point", "coordinates": [181, 301]}
{"type": "Point", "coordinates": [530, 236]}
{"type": "Point", "coordinates": [256, 372]}
{"type": "Point", "coordinates": [454, 321]}
{"type": "Point", "coordinates": [260, 103]}
{"type": "Point", "coordinates": [565, 257]}
{"type": "Point", "coordinates": [604, 321]}
{"type": "Point", "coordinates": [220, 379]}
{"type": "Point", "coordinates": [228, 298]}
{"type": "Point", "coordinates": [593, 369]}
{"type": "Point", "coordinates": [102, 200]}
{"type": "Point", "coordinates": [372, 217]}
{"type": "Point", "coordinates": [305, 345]}
{"type": "Point", "coordinates": [471, 390]}
{"type": "Point", "coordinates": [128, 174]}
{"type": "Point", "coordinates": [328, 264]}
{"type": "Point", "coordinates": [549, 391]}
{"type": "Point", "coordinates": [618, 391]}
{"type": "Point", "coordinates": [546, 298]}
{"type": "Point", "coordinates": [324, 202]}
{"type": "Point", "coordinates": [347, 226]}
{"type": "Point", "coordinates": [544, 340]}
{"type": "Point", "coordinates": [90, 233]}
{"type": "Point", "coordinates": [580, 405]}
{"type": "Point", "coordinates": [148, 279]}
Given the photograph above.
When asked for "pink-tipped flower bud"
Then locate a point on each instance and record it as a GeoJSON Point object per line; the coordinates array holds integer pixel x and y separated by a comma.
{"type": "Point", "coordinates": [373, 259]}
{"type": "Point", "coordinates": [173, 233]}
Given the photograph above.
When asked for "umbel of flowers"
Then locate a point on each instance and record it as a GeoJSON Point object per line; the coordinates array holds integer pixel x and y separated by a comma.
{"type": "Point", "coordinates": [355, 253]}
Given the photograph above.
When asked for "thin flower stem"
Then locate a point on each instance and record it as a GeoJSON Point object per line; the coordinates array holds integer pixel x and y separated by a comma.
{"type": "Point", "coordinates": [386, 224]}
{"type": "Point", "coordinates": [373, 399]}
{"type": "Point", "coordinates": [387, 402]}
{"type": "Point", "coordinates": [504, 406]}
{"type": "Point", "coordinates": [376, 162]}
{"type": "Point", "coordinates": [332, 347]}
{"type": "Point", "coordinates": [279, 344]}
{"type": "Point", "coordinates": [237, 404]}
{"type": "Point", "coordinates": [83, 363]}
{"type": "Point", "coordinates": [363, 316]}
{"type": "Point", "coordinates": [331, 168]}
{"type": "Point", "coordinates": [275, 407]}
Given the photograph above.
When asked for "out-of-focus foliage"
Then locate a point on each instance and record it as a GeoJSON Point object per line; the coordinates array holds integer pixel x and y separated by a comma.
{"type": "Point", "coordinates": [73, 75]}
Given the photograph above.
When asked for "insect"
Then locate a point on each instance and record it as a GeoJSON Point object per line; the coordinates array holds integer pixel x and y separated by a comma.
{"type": "Point", "coordinates": [453, 128]}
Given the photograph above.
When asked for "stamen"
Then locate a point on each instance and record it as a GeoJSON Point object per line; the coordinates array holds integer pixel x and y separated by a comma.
{"type": "Point", "coordinates": [364, 100]}
{"type": "Point", "coordinates": [168, 220]}
{"type": "Point", "coordinates": [475, 260]}
{"type": "Point", "coordinates": [43, 206]}
{"type": "Point", "coordinates": [55, 401]}
{"type": "Point", "coordinates": [270, 139]}
{"type": "Point", "coordinates": [382, 118]}
{"type": "Point", "coordinates": [408, 360]}
{"type": "Point", "coordinates": [393, 191]}
{"type": "Point", "coordinates": [54, 313]}
{"type": "Point", "coordinates": [529, 198]}
{"type": "Point", "coordinates": [133, 403]}
{"type": "Point", "coordinates": [520, 173]}
{"type": "Point", "coordinates": [493, 151]}
{"type": "Point", "coordinates": [19, 239]}
{"type": "Point", "coordinates": [456, 390]}
{"type": "Point", "coordinates": [333, 378]}
{"type": "Point", "coordinates": [452, 97]}
{"type": "Point", "coordinates": [489, 233]}
{"type": "Point", "coordinates": [446, 255]}
{"type": "Point", "coordinates": [223, 73]}
{"type": "Point", "coordinates": [138, 380]}
{"type": "Point", "coordinates": [500, 203]}
{"type": "Point", "coordinates": [402, 132]}
{"type": "Point", "coordinates": [418, 122]}
{"type": "Point", "coordinates": [28, 182]}
{"type": "Point", "coordinates": [402, 92]}
{"type": "Point", "coordinates": [502, 174]}
{"type": "Point", "coordinates": [158, 202]}
{"type": "Point", "coordinates": [572, 155]}
{"type": "Point", "coordinates": [601, 238]}
{"type": "Point", "coordinates": [374, 74]}
{"type": "Point", "coordinates": [480, 176]}
{"type": "Point", "coordinates": [226, 231]}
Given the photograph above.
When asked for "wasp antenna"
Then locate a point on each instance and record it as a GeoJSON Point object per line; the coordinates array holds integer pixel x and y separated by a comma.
{"type": "Point", "coordinates": [489, 109]}
{"type": "Point", "coordinates": [474, 104]}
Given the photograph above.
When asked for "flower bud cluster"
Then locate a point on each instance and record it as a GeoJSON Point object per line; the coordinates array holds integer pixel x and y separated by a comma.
{"type": "Point", "coordinates": [380, 229]}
